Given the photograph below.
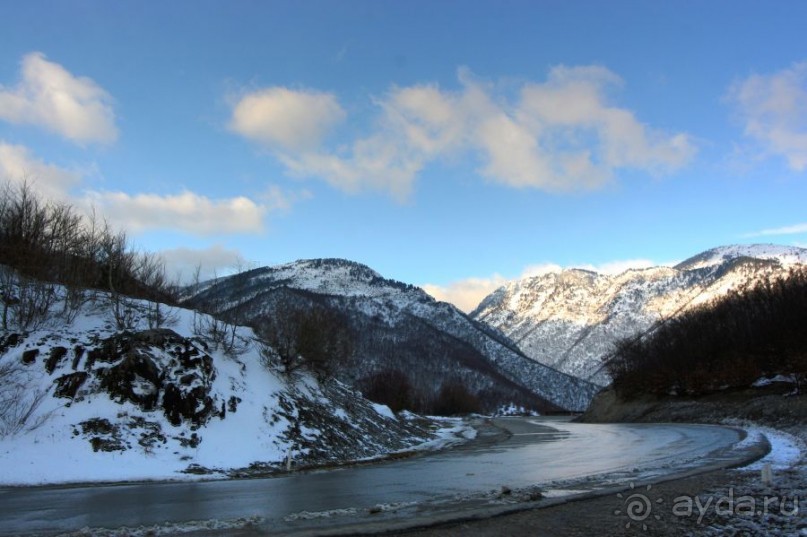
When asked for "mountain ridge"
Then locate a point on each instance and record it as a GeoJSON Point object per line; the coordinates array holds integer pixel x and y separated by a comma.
{"type": "Point", "coordinates": [398, 326]}
{"type": "Point", "coordinates": [570, 319]}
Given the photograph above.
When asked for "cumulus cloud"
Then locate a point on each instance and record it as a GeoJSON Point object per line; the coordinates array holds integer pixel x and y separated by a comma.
{"type": "Point", "coordinates": [188, 212]}
{"type": "Point", "coordinates": [563, 134]}
{"type": "Point", "coordinates": [17, 164]}
{"type": "Point", "coordinates": [540, 270]}
{"type": "Point", "coordinates": [215, 260]}
{"type": "Point", "coordinates": [290, 120]}
{"type": "Point", "coordinates": [773, 110]}
{"type": "Point", "coordinates": [466, 294]}
{"type": "Point", "coordinates": [51, 97]}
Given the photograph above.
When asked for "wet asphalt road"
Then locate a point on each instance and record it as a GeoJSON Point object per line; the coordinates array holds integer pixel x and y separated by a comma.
{"type": "Point", "coordinates": [538, 451]}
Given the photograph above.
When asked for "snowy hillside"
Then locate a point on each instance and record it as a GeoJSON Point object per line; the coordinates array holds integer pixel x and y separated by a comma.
{"type": "Point", "coordinates": [398, 326]}
{"type": "Point", "coordinates": [86, 401]}
{"type": "Point", "coordinates": [784, 255]}
{"type": "Point", "coordinates": [569, 320]}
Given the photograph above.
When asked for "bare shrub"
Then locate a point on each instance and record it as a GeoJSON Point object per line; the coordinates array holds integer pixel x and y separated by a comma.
{"type": "Point", "coordinates": [314, 338]}
{"type": "Point", "coordinates": [19, 399]}
{"type": "Point", "coordinates": [390, 387]}
{"type": "Point", "coordinates": [455, 399]}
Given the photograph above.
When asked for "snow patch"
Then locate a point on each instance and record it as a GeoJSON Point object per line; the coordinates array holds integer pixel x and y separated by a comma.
{"type": "Point", "coordinates": [786, 450]}
{"type": "Point", "coordinates": [765, 381]}
{"type": "Point", "coordinates": [169, 528]}
{"type": "Point", "coordinates": [384, 410]}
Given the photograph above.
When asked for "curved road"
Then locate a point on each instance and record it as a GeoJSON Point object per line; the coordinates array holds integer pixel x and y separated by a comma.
{"type": "Point", "coordinates": [550, 453]}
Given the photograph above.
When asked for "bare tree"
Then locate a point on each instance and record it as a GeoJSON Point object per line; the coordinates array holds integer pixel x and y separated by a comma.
{"type": "Point", "coordinates": [315, 338]}
{"type": "Point", "coordinates": [50, 243]}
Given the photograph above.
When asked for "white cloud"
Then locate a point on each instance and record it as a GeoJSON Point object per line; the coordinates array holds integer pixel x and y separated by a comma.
{"type": "Point", "coordinates": [560, 135]}
{"type": "Point", "coordinates": [584, 138]}
{"type": "Point", "coordinates": [213, 261]}
{"type": "Point", "coordinates": [17, 164]}
{"type": "Point", "coordinates": [376, 163]}
{"type": "Point", "coordinates": [466, 294]}
{"type": "Point", "coordinates": [277, 200]}
{"type": "Point", "coordinates": [795, 229]}
{"type": "Point", "coordinates": [540, 270]}
{"type": "Point", "coordinates": [49, 96]}
{"type": "Point", "coordinates": [187, 212]}
{"type": "Point", "coordinates": [773, 109]}
{"type": "Point", "coordinates": [286, 119]}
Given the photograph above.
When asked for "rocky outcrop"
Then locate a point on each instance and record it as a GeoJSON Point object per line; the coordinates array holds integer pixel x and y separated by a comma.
{"type": "Point", "coordinates": [157, 368]}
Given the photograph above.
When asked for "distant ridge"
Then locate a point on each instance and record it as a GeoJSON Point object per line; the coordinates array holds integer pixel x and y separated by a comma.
{"type": "Point", "coordinates": [570, 319]}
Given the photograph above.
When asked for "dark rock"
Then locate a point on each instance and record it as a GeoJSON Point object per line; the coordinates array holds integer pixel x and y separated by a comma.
{"type": "Point", "coordinates": [11, 340]}
{"type": "Point", "coordinates": [107, 444]}
{"type": "Point", "coordinates": [157, 368]}
{"type": "Point", "coordinates": [157, 337]}
{"type": "Point", "coordinates": [68, 385]}
{"type": "Point", "coordinates": [120, 380]}
{"type": "Point", "coordinates": [97, 426]}
{"type": "Point", "coordinates": [56, 355]}
{"type": "Point", "coordinates": [179, 404]}
{"type": "Point", "coordinates": [191, 442]}
{"type": "Point", "coordinates": [29, 356]}
{"type": "Point", "coordinates": [152, 432]}
{"type": "Point", "coordinates": [534, 496]}
{"type": "Point", "coordinates": [78, 352]}
{"type": "Point", "coordinates": [104, 436]}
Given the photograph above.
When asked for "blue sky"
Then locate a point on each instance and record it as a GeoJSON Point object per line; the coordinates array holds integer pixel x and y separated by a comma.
{"type": "Point", "coordinates": [453, 145]}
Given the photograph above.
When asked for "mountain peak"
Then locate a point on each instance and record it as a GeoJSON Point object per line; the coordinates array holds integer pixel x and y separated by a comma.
{"type": "Point", "coordinates": [330, 276]}
{"type": "Point", "coordinates": [786, 255]}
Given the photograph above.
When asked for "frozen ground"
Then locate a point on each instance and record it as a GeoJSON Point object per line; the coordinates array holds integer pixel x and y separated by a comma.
{"type": "Point", "coordinates": [751, 505]}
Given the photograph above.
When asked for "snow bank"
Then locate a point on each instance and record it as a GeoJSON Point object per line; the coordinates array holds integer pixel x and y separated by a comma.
{"type": "Point", "coordinates": [240, 415]}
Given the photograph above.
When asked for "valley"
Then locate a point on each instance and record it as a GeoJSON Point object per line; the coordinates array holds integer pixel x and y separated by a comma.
{"type": "Point", "coordinates": [214, 403]}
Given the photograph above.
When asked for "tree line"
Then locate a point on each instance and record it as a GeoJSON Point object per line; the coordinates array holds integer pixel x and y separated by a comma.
{"type": "Point", "coordinates": [729, 343]}
{"type": "Point", "coordinates": [47, 243]}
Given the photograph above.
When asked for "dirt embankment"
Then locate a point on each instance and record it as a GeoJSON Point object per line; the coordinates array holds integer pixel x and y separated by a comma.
{"type": "Point", "coordinates": [769, 405]}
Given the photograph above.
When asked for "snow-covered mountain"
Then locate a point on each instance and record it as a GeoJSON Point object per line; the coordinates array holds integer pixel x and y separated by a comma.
{"type": "Point", "coordinates": [83, 398]}
{"type": "Point", "coordinates": [570, 319]}
{"type": "Point", "coordinates": [399, 327]}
